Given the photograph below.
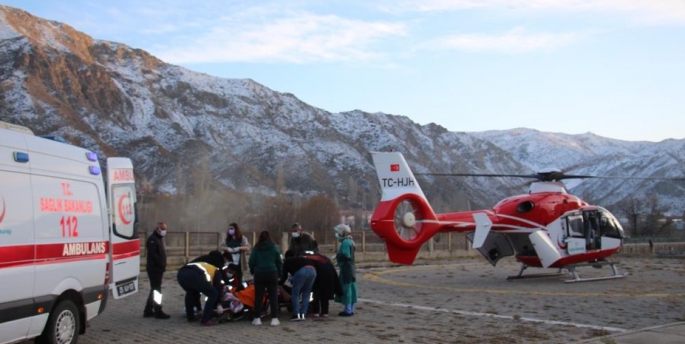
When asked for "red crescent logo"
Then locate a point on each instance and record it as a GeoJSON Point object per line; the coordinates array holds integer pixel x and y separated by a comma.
{"type": "Point", "coordinates": [2, 216]}
{"type": "Point", "coordinates": [123, 219]}
{"type": "Point", "coordinates": [562, 245]}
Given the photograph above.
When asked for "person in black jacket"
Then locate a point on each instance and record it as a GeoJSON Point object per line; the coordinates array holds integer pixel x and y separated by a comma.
{"type": "Point", "coordinates": [220, 260]}
{"type": "Point", "coordinates": [302, 242]}
{"type": "Point", "coordinates": [203, 275]}
{"type": "Point", "coordinates": [156, 266]}
{"type": "Point", "coordinates": [326, 285]}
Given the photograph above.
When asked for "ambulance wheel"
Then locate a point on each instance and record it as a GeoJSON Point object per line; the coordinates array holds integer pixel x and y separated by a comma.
{"type": "Point", "coordinates": [63, 325]}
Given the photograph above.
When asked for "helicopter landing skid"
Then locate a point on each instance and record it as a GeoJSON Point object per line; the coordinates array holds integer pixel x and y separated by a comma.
{"type": "Point", "coordinates": [524, 267]}
{"type": "Point", "coordinates": [572, 270]}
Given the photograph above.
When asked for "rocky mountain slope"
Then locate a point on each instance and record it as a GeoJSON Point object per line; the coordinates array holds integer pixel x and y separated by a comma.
{"type": "Point", "coordinates": [185, 129]}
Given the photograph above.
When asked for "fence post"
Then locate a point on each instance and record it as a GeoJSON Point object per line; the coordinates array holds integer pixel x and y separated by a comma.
{"type": "Point", "coordinates": [145, 242]}
{"type": "Point", "coordinates": [187, 246]}
{"type": "Point", "coordinates": [363, 241]}
{"type": "Point", "coordinates": [284, 242]}
{"type": "Point", "coordinates": [449, 241]}
{"type": "Point", "coordinates": [431, 245]}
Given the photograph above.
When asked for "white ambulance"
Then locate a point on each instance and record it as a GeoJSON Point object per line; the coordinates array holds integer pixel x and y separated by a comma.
{"type": "Point", "coordinates": [66, 237]}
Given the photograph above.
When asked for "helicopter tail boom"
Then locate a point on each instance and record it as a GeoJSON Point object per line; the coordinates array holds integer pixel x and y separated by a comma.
{"type": "Point", "coordinates": [403, 218]}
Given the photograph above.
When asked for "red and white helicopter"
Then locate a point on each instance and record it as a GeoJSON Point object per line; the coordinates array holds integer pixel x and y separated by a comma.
{"type": "Point", "coordinates": [546, 228]}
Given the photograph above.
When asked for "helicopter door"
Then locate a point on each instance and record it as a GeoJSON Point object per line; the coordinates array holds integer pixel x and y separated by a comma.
{"type": "Point", "coordinates": [591, 229]}
{"type": "Point", "coordinates": [496, 246]}
{"type": "Point", "coordinates": [575, 237]}
{"type": "Point", "coordinates": [610, 231]}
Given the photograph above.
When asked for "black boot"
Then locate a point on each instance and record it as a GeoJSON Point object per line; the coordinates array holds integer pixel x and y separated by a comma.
{"type": "Point", "coordinates": [159, 314]}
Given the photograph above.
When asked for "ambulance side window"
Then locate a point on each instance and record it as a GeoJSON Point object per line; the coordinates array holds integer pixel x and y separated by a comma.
{"type": "Point", "coordinates": [123, 207]}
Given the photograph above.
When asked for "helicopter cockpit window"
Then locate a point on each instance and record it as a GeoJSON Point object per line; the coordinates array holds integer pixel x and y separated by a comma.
{"type": "Point", "coordinates": [608, 226]}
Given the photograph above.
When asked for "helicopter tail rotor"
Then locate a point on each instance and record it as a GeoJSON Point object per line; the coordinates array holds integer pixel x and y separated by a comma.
{"type": "Point", "coordinates": [403, 218]}
{"type": "Point", "coordinates": [405, 223]}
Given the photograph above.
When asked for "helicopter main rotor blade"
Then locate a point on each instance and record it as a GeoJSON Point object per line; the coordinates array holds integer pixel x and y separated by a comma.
{"type": "Point", "coordinates": [581, 176]}
{"type": "Point", "coordinates": [546, 176]}
{"type": "Point", "coordinates": [477, 175]}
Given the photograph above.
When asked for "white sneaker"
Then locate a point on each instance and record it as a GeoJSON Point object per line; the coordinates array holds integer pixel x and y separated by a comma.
{"type": "Point", "coordinates": [275, 322]}
{"type": "Point", "coordinates": [257, 322]}
{"type": "Point", "coordinates": [219, 309]}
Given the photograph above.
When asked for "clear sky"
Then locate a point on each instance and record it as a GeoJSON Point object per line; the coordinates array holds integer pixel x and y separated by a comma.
{"type": "Point", "coordinates": [612, 67]}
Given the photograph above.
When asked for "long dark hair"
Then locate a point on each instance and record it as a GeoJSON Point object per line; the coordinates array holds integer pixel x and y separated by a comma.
{"type": "Point", "coordinates": [264, 237]}
{"type": "Point", "coordinates": [238, 235]}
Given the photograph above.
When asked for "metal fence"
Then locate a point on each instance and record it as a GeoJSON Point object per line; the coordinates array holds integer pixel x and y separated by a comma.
{"type": "Point", "coordinates": [193, 244]}
{"type": "Point", "coordinates": [188, 245]}
{"type": "Point", "coordinates": [646, 239]}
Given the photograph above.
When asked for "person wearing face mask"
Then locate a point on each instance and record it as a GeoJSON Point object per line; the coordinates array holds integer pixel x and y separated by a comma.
{"type": "Point", "coordinates": [345, 259]}
{"type": "Point", "coordinates": [231, 272]}
{"type": "Point", "coordinates": [236, 244]}
{"type": "Point", "coordinates": [156, 266]}
{"type": "Point", "coordinates": [301, 242]}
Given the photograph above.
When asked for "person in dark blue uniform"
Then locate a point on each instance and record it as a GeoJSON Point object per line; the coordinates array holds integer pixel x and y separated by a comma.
{"type": "Point", "coordinates": [203, 275]}
{"type": "Point", "coordinates": [156, 266]}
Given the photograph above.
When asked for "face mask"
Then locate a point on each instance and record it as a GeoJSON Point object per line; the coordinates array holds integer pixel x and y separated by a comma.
{"type": "Point", "coordinates": [162, 233]}
{"type": "Point", "coordinates": [296, 235]}
{"type": "Point", "coordinates": [231, 231]}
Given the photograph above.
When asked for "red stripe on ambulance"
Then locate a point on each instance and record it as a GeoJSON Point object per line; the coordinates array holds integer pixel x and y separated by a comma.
{"type": "Point", "coordinates": [126, 249]}
{"type": "Point", "coordinates": [12, 256]}
{"type": "Point", "coordinates": [16, 255]}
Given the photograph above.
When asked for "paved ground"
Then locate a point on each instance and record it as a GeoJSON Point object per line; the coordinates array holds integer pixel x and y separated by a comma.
{"type": "Point", "coordinates": [465, 301]}
{"type": "Point", "coordinates": [666, 334]}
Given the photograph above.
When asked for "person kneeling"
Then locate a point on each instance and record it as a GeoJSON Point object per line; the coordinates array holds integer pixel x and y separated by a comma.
{"type": "Point", "coordinates": [202, 276]}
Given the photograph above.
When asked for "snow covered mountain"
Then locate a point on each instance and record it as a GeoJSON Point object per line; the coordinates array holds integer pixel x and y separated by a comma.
{"type": "Point", "coordinates": [590, 154]}
{"type": "Point", "coordinates": [184, 128]}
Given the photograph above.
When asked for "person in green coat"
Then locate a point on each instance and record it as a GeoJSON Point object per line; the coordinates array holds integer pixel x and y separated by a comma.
{"type": "Point", "coordinates": [345, 259]}
{"type": "Point", "coordinates": [266, 266]}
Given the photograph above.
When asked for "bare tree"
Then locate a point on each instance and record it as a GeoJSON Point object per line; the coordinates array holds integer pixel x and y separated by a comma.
{"type": "Point", "coordinates": [632, 209]}
{"type": "Point", "coordinates": [352, 192]}
{"type": "Point", "coordinates": [275, 215]}
{"type": "Point", "coordinates": [320, 214]}
{"type": "Point", "coordinates": [280, 179]}
{"type": "Point", "coordinates": [656, 221]}
{"type": "Point", "coordinates": [359, 220]}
